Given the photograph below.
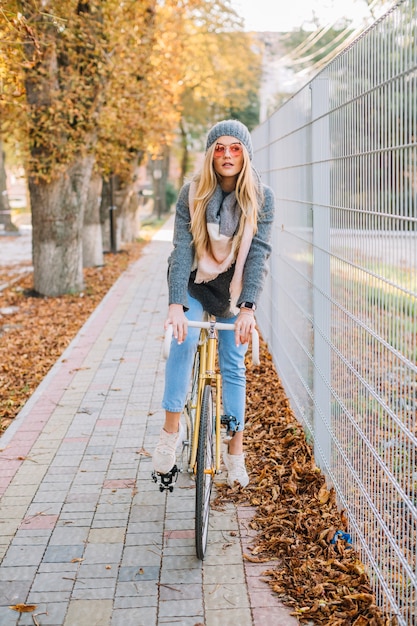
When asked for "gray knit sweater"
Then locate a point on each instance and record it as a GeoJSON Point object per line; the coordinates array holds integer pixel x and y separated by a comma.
{"type": "Point", "coordinates": [214, 295]}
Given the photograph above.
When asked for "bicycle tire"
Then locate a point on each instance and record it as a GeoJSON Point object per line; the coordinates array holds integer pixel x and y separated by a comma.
{"type": "Point", "coordinates": [204, 481]}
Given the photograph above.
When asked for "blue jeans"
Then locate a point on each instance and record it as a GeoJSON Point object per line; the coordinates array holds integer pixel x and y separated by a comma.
{"type": "Point", "coordinates": [231, 362]}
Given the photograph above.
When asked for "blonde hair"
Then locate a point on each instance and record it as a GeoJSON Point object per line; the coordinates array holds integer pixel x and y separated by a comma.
{"type": "Point", "coordinates": [249, 196]}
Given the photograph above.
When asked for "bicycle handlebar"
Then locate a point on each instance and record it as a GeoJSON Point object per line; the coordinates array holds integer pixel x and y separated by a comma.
{"type": "Point", "coordinates": [217, 326]}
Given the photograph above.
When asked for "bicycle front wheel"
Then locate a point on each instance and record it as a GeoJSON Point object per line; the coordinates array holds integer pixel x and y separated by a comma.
{"type": "Point", "coordinates": [190, 409]}
{"type": "Point", "coordinates": [204, 472]}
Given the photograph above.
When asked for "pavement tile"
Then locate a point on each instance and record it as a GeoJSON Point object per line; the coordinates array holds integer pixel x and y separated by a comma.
{"type": "Point", "coordinates": [181, 591]}
{"type": "Point", "coordinates": [94, 589]}
{"type": "Point", "coordinates": [38, 521]}
{"type": "Point", "coordinates": [106, 535]}
{"type": "Point", "coordinates": [46, 614]}
{"type": "Point", "coordinates": [180, 550]}
{"type": "Point", "coordinates": [231, 617]}
{"type": "Point", "coordinates": [17, 489]}
{"type": "Point", "coordinates": [89, 613]}
{"type": "Point", "coordinates": [52, 581]}
{"type": "Point", "coordinates": [63, 554]}
{"type": "Point", "coordinates": [67, 535]}
{"type": "Point", "coordinates": [136, 601]}
{"type": "Point", "coordinates": [225, 596]}
{"type": "Point", "coordinates": [121, 483]}
{"type": "Point", "coordinates": [141, 556]}
{"type": "Point", "coordinates": [128, 573]}
{"type": "Point", "coordinates": [103, 553]}
{"type": "Point", "coordinates": [144, 539]}
{"type": "Point", "coordinates": [178, 524]}
{"type": "Point", "coordinates": [270, 616]}
{"type": "Point", "coordinates": [77, 502]}
{"type": "Point", "coordinates": [14, 592]}
{"type": "Point", "coordinates": [145, 527]}
{"type": "Point", "coordinates": [145, 616]}
{"type": "Point", "coordinates": [23, 555]}
{"type": "Point", "coordinates": [9, 574]}
{"type": "Point", "coordinates": [66, 569]}
{"type": "Point", "coordinates": [147, 514]}
{"type": "Point", "coordinates": [47, 496]}
{"type": "Point", "coordinates": [97, 570]}
{"type": "Point", "coordinates": [129, 592]}
{"type": "Point", "coordinates": [181, 576]}
{"type": "Point", "coordinates": [186, 562]}
{"type": "Point", "coordinates": [227, 574]}
{"type": "Point", "coordinates": [181, 608]}
{"type": "Point", "coordinates": [29, 534]}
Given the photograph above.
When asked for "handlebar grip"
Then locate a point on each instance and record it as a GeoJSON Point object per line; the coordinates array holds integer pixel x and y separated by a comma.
{"type": "Point", "coordinates": [167, 341]}
{"type": "Point", "coordinates": [255, 347]}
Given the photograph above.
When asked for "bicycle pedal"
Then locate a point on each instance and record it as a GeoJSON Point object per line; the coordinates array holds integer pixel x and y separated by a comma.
{"type": "Point", "coordinates": [230, 422]}
{"type": "Point", "coordinates": [166, 481]}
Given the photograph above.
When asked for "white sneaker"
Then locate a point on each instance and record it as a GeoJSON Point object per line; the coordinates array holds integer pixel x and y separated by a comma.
{"type": "Point", "coordinates": [236, 470]}
{"type": "Point", "coordinates": [164, 455]}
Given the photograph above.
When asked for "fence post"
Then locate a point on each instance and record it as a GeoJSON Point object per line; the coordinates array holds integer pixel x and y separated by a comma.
{"type": "Point", "coordinates": [320, 159]}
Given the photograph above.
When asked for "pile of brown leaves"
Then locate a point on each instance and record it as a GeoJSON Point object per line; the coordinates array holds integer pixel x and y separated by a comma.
{"type": "Point", "coordinates": [296, 515]}
{"type": "Point", "coordinates": [35, 331]}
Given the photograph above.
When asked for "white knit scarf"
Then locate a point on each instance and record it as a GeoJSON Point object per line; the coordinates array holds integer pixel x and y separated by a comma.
{"type": "Point", "coordinates": [223, 216]}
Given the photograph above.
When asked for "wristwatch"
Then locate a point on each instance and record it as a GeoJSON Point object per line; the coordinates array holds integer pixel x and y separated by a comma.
{"type": "Point", "coordinates": [248, 305]}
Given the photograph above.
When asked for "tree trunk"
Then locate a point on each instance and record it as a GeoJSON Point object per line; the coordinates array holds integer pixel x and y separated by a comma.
{"type": "Point", "coordinates": [57, 220]}
{"type": "Point", "coordinates": [92, 237]}
{"type": "Point", "coordinates": [129, 213]}
{"type": "Point", "coordinates": [5, 212]}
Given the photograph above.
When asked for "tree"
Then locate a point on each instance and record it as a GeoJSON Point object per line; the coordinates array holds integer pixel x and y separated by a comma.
{"type": "Point", "coordinates": [63, 56]}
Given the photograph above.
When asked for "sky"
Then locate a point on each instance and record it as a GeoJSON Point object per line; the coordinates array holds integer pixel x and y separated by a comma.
{"type": "Point", "coordinates": [274, 15]}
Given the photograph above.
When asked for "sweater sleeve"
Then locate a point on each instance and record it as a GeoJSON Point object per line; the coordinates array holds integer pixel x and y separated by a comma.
{"type": "Point", "coordinates": [182, 256]}
{"type": "Point", "coordinates": [256, 262]}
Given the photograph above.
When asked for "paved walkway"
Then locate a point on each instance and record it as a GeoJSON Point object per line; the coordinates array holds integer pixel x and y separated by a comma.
{"type": "Point", "coordinates": [85, 535]}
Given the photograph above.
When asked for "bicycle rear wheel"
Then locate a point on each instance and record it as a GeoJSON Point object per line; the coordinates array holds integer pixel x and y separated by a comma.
{"type": "Point", "coordinates": [204, 472]}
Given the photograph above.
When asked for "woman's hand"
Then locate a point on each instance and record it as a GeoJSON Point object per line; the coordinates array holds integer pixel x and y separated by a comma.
{"type": "Point", "coordinates": [244, 325]}
{"type": "Point", "coordinates": [179, 322]}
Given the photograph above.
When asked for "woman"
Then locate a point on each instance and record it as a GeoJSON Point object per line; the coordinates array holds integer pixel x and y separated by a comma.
{"type": "Point", "coordinates": [218, 264]}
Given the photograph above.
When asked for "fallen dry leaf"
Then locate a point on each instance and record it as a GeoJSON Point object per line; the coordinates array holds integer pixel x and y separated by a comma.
{"type": "Point", "coordinates": [143, 452]}
{"type": "Point", "coordinates": [23, 608]}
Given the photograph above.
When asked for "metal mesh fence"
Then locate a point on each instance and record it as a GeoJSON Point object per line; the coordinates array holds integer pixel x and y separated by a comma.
{"type": "Point", "coordinates": [340, 309]}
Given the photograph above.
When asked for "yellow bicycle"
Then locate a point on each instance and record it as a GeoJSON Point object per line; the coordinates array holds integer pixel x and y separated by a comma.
{"type": "Point", "coordinates": [201, 447]}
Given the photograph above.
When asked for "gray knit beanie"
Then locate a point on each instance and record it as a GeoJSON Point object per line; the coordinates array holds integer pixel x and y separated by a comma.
{"type": "Point", "coordinates": [231, 128]}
